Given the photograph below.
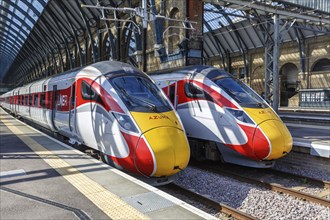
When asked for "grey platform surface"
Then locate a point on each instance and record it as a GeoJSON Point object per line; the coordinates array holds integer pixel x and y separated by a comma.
{"type": "Point", "coordinates": [314, 137]}
{"type": "Point", "coordinates": [310, 129]}
{"type": "Point", "coordinates": [32, 189]}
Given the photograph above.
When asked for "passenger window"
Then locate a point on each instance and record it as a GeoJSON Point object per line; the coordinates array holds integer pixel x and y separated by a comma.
{"type": "Point", "coordinates": [35, 103]}
{"type": "Point", "coordinates": [58, 101]}
{"type": "Point", "coordinates": [22, 100]}
{"type": "Point", "coordinates": [30, 100]}
{"type": "Point", "coordinates": [42, 100]}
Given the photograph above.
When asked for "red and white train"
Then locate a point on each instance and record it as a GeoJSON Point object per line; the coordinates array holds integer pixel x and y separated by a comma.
{"type": "Point", "coordinates": [225, 119]}
{"type": "Point", "coordinates": [113, 108]}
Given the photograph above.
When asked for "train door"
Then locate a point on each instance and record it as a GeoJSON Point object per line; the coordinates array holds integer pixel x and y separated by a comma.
{"type": "Point", "coordinates": [72, 110]}
{"type": "Point", "coordinates": [44, 104]}
{"type": "Point", "coordinates": [202, 114]}
{"type": "Point", "coordinates": [54, 106]}
{"type": "Point", "coordinates": [29, 102]}
{"type": "Point", "coordinates": [172, 92]}
{"type": "Point", "coordinates": [16, 102]}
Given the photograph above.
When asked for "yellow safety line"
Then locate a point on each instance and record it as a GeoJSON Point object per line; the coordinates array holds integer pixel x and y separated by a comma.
{"type": "Point", "coordinates": [108, 202]}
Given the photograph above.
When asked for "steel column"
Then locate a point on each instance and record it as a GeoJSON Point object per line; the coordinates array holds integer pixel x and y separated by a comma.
{"type": "Point", "coordinates": [268, 64]}
{"type": "Point", "coordinates": [275, 61]}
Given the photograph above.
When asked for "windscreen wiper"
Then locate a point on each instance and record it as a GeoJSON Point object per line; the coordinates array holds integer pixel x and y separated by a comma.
{"type": "Point", "coordinates": [148, 104]}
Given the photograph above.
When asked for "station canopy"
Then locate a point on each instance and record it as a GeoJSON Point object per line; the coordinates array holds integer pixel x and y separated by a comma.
{"type": "Point", "coordinates": [34, 33]}
{"type": "Point", "coordinates": [237, 26]}
{"type": "Point", "coordinates": [17, 19]}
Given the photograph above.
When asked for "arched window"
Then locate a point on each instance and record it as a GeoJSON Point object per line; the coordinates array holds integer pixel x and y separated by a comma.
{"type": "Point", "coordinates": [321, 65]}
{"type": "Point", "coordinates": [289, 75]}
{"type": "Point", "coordinates": [289, 82]}
{"type": "Point", "coordinates": [173, 36]}
{"type": "Point", "coordinates": [105, 47]}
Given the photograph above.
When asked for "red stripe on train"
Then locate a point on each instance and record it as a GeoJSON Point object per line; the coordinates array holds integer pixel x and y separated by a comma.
{"type": "Point", "coordinates": [140, 163]}
{"type": "Point", "coordinates": [257, 146]}
{"type": "Point", "coordinates": [218, 98]}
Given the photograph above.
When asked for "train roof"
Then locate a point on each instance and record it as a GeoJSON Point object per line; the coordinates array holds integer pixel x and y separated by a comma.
{"type": "Point", "coordinates": [113, 68]}
{"type": "Point", "coordinates": [104, 68]}
{"type": "Point", "coordinates": [210, 72]}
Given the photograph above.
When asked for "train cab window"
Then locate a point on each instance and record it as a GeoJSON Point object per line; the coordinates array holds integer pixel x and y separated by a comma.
{"type": "Point", "coordinates": [193, 91]}
{"type": "Point", "coordinates": [140, 94]}
{"type": "Point", "coordinates": [88, 93]}
{"type": "Point", "coordinates": [35, 101]}
{"type": "Point", "coordinates": [240, 92]}
{"type": "Point", "coordinates": [42, 100]}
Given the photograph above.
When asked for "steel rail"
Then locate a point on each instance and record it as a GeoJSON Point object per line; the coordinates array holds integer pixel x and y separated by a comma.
{"type": "Point", "coordinates": [225, 209]}
{"type": "Point", "coordinates": [270, 186]}
{"type": "Point", "coordinates": [325, 184]}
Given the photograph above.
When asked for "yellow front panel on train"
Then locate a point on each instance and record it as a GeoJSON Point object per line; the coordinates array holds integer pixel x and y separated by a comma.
{"type": "Point", "coordinates": [170, 148]}
{"type": "Point", "coordinates": [279, 137]}
{"type": "Point", "coordinates": [274, 129]}
{"type": "Point", "coordinates": [261, 114]}
{"type": "Point", "coordinates": [167, 139]}
{"type": "Point", "coordinates": [150, 120]}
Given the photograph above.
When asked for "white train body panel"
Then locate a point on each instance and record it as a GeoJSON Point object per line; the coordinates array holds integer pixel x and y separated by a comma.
{"type": "Point", "coordinates": [216, 107]}
{"type": "Point", "coordinates": [90, 105]}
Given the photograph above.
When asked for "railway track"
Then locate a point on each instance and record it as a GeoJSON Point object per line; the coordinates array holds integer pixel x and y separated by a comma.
{"type": "Point", "coordinates": [228, 211]}
{"type": "Point", "coordinates": [293, 191]}
{"type": "Point", "coordinates": [322, 183]}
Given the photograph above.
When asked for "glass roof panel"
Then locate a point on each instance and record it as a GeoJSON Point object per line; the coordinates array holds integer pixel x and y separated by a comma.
{"type": "Point", "coordinates": [214, 16]}
{"type": "Point", "coordinates": [28, 22]}
{"type": "Point", "coordinates": [11, 8]}
{"type": "Point", "coordinates": [38, 6]}
{"type": "Point", "coordinates": [19, 14]}
{"type": "Point", "coordinates": [17, 26]}
{"type": "Point", "coordinates": [16, 21]}
{"type": "Point", "coordinates": [32, 15]}
{"type": "Point", "coordinates": [23, 6]}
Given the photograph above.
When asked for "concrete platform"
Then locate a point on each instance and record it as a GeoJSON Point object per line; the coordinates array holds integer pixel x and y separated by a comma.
{"type": "Point", "coordinates": [42, 178]}
{"type": "Point", "coordinates": [312, 139]}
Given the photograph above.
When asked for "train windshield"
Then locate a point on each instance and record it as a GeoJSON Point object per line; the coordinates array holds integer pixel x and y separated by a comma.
{"type": "Point", "coordinates": [240, 92]}
{"type": "Point", "coordinates": [140, 94]}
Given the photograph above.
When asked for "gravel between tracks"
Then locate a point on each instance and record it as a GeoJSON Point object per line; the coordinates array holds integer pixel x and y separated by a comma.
{"type": "Point", "coordinates": [322, 174]}
{"type": "Point", "coordinates": [256, 201]}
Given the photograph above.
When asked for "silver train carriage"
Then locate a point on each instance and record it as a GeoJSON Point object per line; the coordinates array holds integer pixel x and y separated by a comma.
{"type": "Point", "coordinates": [224, 118]}
{"type": "Point", "coordinates": [113, 108]}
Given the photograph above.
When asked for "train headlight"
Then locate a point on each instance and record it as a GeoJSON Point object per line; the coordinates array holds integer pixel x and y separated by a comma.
{"type": "Point", "coordinates": [125, 122]}
{"type": "Point", "coordinates": [240, 115]}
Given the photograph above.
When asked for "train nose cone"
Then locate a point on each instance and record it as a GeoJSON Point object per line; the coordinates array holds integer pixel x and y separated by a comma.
{"type": "Point", "coordinates": [170, 149]}
{"type": "Point", "coordinates": [279, 137]}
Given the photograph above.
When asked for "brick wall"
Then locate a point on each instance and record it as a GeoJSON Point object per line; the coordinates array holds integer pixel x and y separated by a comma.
{"type": "Point", "coordinates": [315, 48]}
{"type": "Point", "coordinates": [173, 36]}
